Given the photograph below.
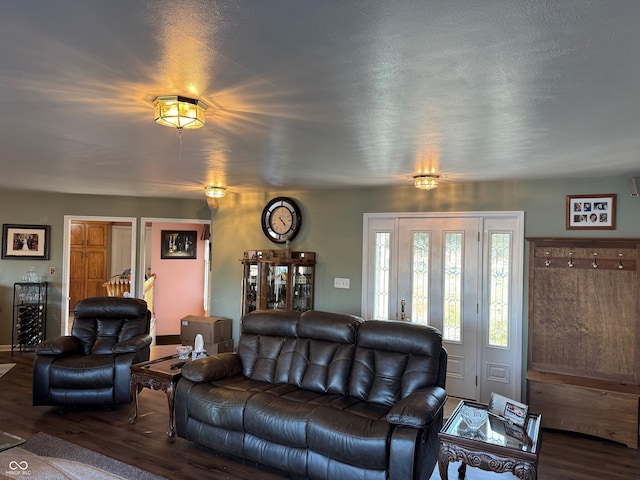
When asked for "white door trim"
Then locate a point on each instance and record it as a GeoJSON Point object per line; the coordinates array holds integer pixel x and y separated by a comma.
{"type": "Point", "coordinates": [66, 253]}
{"type": "Point", "coordinates": [143, 246]}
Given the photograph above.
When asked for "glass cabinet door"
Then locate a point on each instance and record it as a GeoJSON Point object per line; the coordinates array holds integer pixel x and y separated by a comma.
{"type": "Point", "coordinates": [277, 280]}
{"type": "Point", "coordinates": [251, 287]}
{"type": "Point", "coordinates": [302, 288]}
{"type": "Point", "coordinates": [277, 283]}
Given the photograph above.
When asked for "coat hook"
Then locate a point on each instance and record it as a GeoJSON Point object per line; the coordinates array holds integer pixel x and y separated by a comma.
{"type": "Point", "coordinates": [570, 262]}
{"type": "Point", "coordinates": [595, 260]}
{"type": "Point", "coordinates": [620, 266]}
{"type": "Point", "coordinates": [547, 260]}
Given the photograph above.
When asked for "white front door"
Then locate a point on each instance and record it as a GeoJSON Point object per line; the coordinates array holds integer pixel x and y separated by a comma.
{"type": "Point", "coordinates": [460, 273]}
{"type": "Point", "coordinates": [439, 261]}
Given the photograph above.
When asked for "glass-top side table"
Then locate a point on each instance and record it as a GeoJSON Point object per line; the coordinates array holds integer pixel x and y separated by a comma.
{"type": "Point", "coordinates": [482, 440]}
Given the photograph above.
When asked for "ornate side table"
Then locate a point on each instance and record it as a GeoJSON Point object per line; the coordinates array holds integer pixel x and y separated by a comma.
{"type": "Point", "coordinates": [160, 374]}
{"type": "Point", "coordinates": [497, 445]}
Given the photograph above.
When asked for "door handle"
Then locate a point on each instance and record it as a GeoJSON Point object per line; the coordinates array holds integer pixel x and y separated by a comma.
{"type": "Point", "coordinates": [403, 316]}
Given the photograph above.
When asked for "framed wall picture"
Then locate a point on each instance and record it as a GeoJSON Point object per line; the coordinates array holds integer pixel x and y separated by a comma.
{"type": "Point", "coordinates": [25, 242]}
{"type": "Point", "coordinates": [178, 244]}
{"type": "Point", "coordinates": [591, 212]}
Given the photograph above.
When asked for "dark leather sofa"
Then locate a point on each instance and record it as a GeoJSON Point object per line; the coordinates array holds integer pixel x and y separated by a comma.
{"type": "Point", "coordinates": [321, 395]}
{"type": "Point", "coordinates": [92, 366]}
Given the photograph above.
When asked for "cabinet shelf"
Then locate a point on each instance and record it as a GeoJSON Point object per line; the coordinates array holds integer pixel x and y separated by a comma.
{"type": "Point", "coordinates": [277, 280]}
{"type": "Point", "coordinates": [29, 315]}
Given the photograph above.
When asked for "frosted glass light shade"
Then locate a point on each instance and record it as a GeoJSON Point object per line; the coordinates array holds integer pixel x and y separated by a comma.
{"type": "Point", "coordinates": [179, 112]}
{"type": "Point", "coordinates": [426, 181]}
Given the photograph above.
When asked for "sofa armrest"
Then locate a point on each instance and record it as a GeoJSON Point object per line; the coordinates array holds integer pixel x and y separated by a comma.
{"type": "Point", "coordinates": [133, 345]}
{"type": "Point", "coordinates": [419, 409]}
{"type": "Point", "coordinates": [213, 367]}
{"type": "Point", "coordinates": [64, 345]}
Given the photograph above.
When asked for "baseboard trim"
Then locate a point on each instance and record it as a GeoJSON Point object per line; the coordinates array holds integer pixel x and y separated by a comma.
{"type": "Point", "coordinates": [168, 339]}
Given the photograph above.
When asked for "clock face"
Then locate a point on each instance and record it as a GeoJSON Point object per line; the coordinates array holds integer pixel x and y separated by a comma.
{"type": "Point", "coordinates": [281, 219]}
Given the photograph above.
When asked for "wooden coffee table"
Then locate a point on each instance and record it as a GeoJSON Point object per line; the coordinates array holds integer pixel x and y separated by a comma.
{"type": "Point", "coordinates": [496, 446]}
{"type": "Point", "coordinates": [159, 374]}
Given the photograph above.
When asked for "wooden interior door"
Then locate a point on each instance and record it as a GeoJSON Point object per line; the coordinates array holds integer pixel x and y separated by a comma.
{"type": "Point", "coordinates": [89, 246]}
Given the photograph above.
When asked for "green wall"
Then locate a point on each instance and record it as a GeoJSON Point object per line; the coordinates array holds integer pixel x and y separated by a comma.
{"type": "Point", "coordinates": [333, 222]}
{"type": "Point", "coordinates": [34, 208]}
{"type": "Point", "coordinates": [332, 227]}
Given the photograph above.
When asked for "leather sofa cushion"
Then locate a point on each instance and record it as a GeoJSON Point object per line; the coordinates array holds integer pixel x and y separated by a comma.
{"type": "Point", "coordinates": [222, 407]}
{"type": "Point", "coordinates": [266, 358]}
{"type": "Point", "coordinates": [278, 419]}
{"type": "Point", "coordinates": [318, 359]}
{"type": "Point", "coordinates": [214, 367]}
{"type": "Point", "coordinates": [391, 363]}
{"type": "Point", "coordinates": [332, 327]}
{"type": "Point", "coordinates": [102, 322]}
{"type": "Point", "coordinates": [322, 366]}
{"type": "Point", "coordinates": [358, 436]}
{"type": "Point", "coordinates": [282, 457]}
{"type": "Point", "coordinates": [279, 323]}
{"type": "Point", "coordinates": [418, 411]}
{"type": "Point", "coordinates": [78, 371]}
{"type": "Point", "coordinates": [94, 397]}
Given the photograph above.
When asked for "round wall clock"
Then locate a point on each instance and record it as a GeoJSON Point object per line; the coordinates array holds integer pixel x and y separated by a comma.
{"type": "Point", "coordinates": [281, 219]}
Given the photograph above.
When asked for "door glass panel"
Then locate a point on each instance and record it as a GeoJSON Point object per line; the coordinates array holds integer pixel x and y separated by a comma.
{"type": "Point", "coordinates": [452, 271]}
{"type": "Point", "coordinates": [499, 279]}
{"type": "Point", "coordinates": [277, 287]}
{"type": "Point", "coordinates": [420, 278]}
{"type": "Point", "coordinates": [302, 288]}
{"type": "Point", "coordinates": [381, 276]}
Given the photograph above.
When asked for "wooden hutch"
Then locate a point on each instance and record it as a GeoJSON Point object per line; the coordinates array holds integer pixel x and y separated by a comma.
{"type": "Point", "coordinates": [584, 335]}
{"type": "Point", "coordinates": [277, 279]}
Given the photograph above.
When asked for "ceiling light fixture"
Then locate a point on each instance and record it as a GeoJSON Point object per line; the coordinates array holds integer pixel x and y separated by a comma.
{"type": "Point", "coordinates": [215, 192]}
{"type": "Point", "coordinates": [426, 181]}
{"type": "Point", "coordinates": [179, 112]}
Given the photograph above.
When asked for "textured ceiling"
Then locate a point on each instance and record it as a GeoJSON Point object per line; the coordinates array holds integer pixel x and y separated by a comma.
{"type": "Point", "coordinates": [316, 94]}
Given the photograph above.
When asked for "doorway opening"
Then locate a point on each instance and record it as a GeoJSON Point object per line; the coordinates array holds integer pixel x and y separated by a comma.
{"type": "Point", "coordinates": [181, 283]}
{"type": "Point", "coordinates": [94, 249]}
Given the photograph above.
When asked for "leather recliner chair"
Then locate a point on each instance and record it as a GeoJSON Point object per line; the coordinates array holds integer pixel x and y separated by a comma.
{"type": "Point", "coordinates": [92, 366]}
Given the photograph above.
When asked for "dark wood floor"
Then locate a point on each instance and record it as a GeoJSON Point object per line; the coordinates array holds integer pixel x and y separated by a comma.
{"type": "Point", "coordinates": [563, 455]}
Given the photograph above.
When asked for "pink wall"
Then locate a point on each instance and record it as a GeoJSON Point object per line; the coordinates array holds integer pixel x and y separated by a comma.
{"type": "Point", "coordinates": [179, 283]}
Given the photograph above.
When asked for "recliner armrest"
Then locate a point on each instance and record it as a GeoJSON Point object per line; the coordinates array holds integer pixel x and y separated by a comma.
{"type": "Point", "coordinates": [211, 368]}
{"type": "Point", "coordinates": [418, 409]}
{"type": "Point", "coordinates": [64, 345]}
{"type": "Point", "coordinates": [133, 344]}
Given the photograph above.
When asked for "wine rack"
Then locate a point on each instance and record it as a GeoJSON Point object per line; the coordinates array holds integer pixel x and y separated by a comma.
{"type": "Point", "coordinates": [29, 315]}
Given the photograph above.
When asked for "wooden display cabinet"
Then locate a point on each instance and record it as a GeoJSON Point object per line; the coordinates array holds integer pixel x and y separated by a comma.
{"type": "Point", "coordinates": [277, 280]}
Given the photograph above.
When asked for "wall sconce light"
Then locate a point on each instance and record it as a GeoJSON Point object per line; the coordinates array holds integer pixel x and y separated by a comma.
{"type": "Point", "coordinates": [179, 112]}
{"type": "Point", "coordinates": [215, 192]}
{"type": "Point", "coordinates": [426, 181]}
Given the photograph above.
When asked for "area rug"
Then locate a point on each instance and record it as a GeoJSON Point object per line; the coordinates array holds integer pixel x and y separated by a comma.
{"type": "Point", "coordinates": [5, 367]}
{"type": "Point", "coordinates": [44, 457]}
